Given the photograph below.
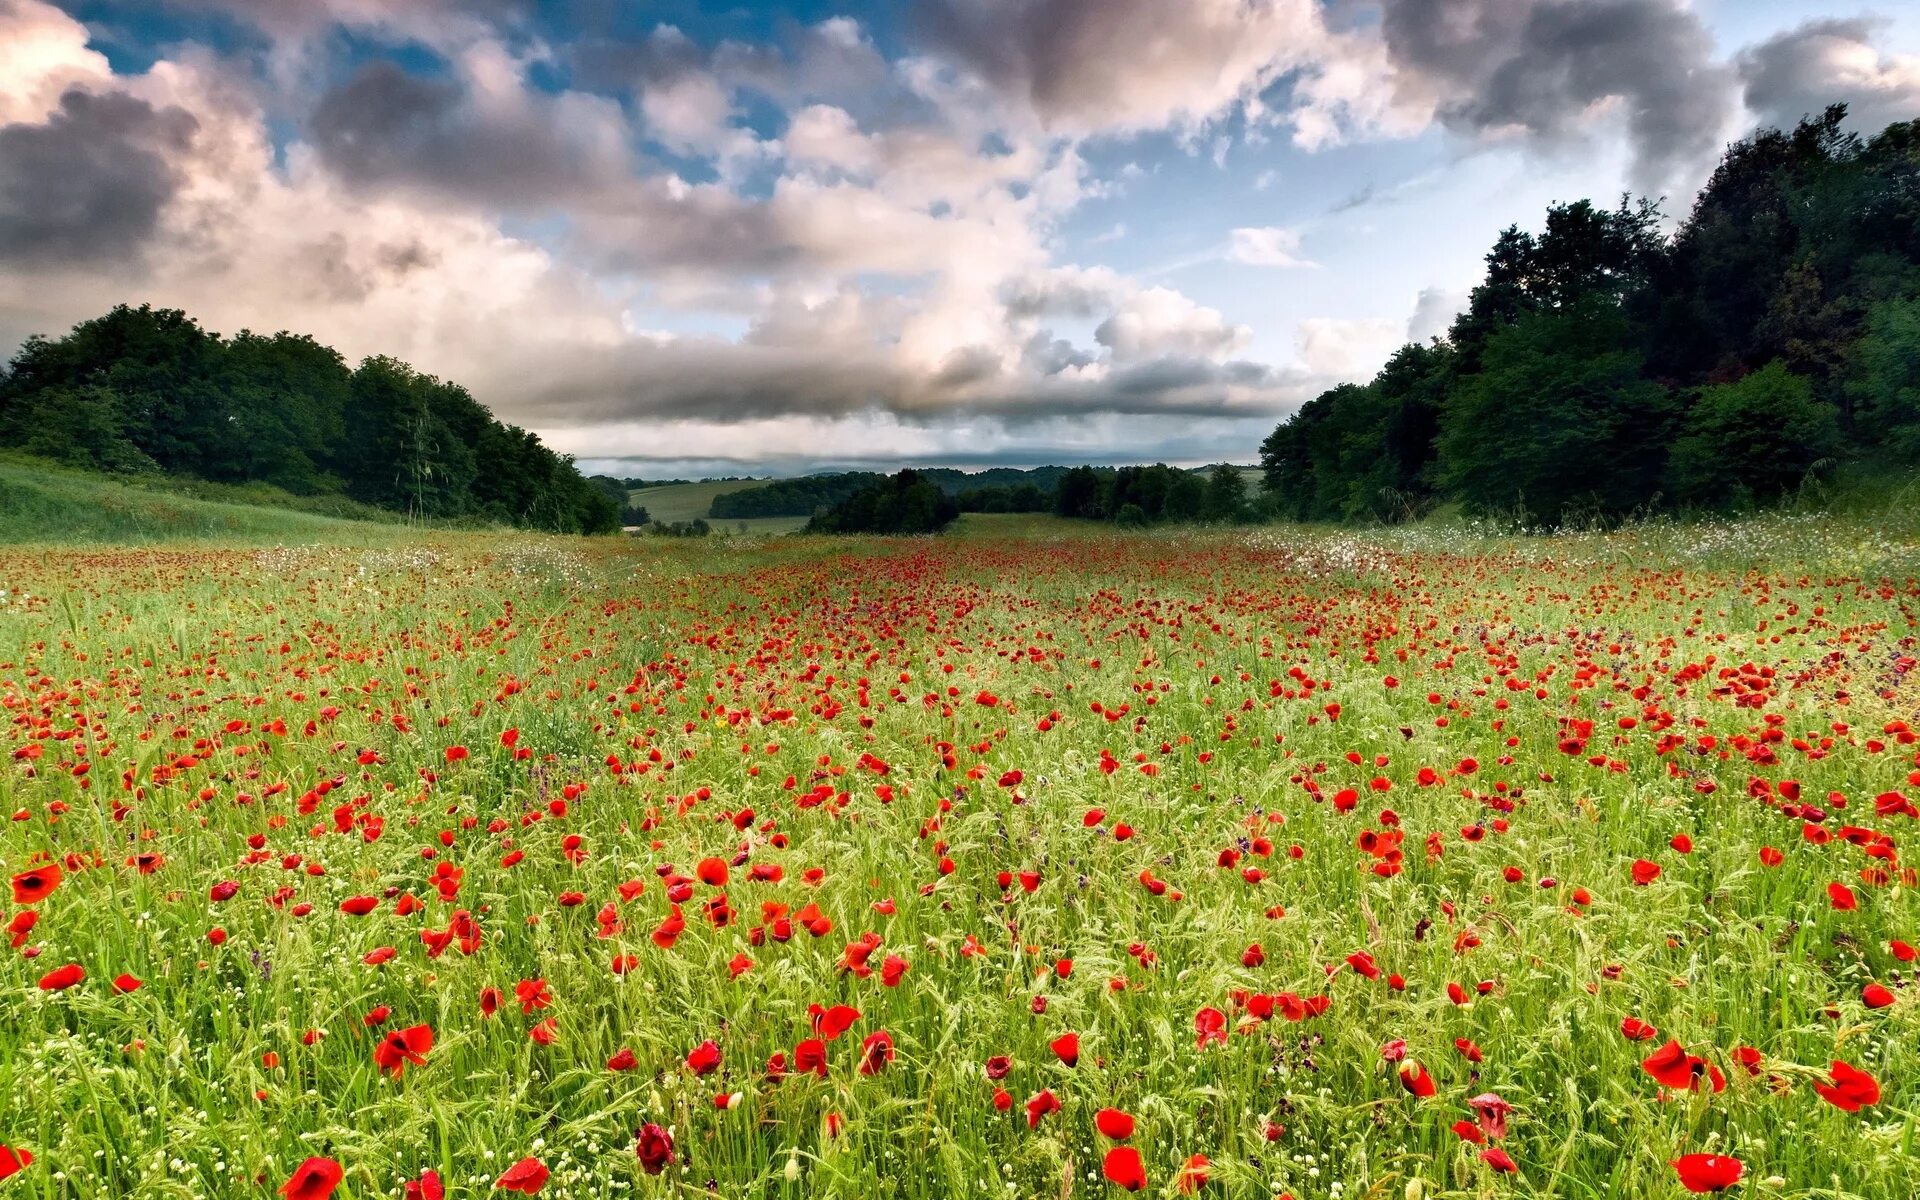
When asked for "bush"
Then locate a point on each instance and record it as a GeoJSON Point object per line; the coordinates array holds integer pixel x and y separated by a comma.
{"type": "Point", "coordinates": [1751, 440]}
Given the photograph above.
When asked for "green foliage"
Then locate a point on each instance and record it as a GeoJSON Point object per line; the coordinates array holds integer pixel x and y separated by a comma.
{"type": "Point", "coordinates": [1559, 417]}
{"type": "Point", "coordinates": [1595, 351]}
{"type": "Point", "coordinates": [1885, 378]}
{"type": "Point", "coordinates": [142, 389]}
{"type": "Point", "coordinates": [1753, 439]}
{"type": "Point", "coordinates": [905, 503]}
{"type": "Point", "coordinates": [1082, 493]}
{"type": "Point", "coordinates": [791, 497]}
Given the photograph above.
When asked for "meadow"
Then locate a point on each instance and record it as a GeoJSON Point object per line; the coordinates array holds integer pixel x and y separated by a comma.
{"type": "Point", "coordinates": [1031, 860]}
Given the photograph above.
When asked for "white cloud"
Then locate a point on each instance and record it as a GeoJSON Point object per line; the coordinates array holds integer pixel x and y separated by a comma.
{"type": "Point", "coordinates": [1267, 246]}
{"type": "Point", "coordinates": [1158, 321]}
{"type": "Point", "coordinates": [1347, 349]}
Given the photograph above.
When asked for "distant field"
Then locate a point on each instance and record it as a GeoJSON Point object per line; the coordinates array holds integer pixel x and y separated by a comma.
{"type": "Point", "coordinates": [685, 501]}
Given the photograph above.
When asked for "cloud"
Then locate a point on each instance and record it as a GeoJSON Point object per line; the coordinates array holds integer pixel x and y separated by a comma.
{"type": "Point", "coordinates": [88, 185]}
{"type": "Point", "coordinates": [43, 53]}
{"type": "Point", "coordinates": [480, 136]}
{"type": "Point", "coordinates": [1347, 349]}
{"type": "Point", "coordinates": [1118, 66]}
{"type": "Point", "coordinates": [1545, 69]}
{"type": "Point", "coordinates": [1267, 246]}
{"type": "Point", "coordinates": [1160, 322]}
{"type": "Point", "coordinates": [1433, 313]}
{"type": "Point", "coordinates": [1800, 72]}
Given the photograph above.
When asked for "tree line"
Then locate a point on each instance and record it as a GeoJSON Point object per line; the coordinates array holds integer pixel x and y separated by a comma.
{"type": "Point", "coordinates": [1602, 368]}
{"type": "Point", "coordinates": [148, 390]}
{"type": "Point", "coordinates": [913, 502]}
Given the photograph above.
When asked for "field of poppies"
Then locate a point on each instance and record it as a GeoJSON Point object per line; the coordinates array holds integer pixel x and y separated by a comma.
{"type": "Point", "coordinates": [1022, 862]}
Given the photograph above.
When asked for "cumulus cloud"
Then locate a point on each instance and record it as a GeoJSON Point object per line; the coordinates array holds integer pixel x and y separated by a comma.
{"type": "Point", "coordinates": [1799, 72]}
{"type": "Point", "coordinates": [1267, 246]}
{"type": "Point", "coordinates": [1347, 349]}
{"type": "Point", "coordinates": [88, 185]}
{"type": "Point", "coordinates": [1433, 313]}
{"type": "Point", "coordinates": [480, 136]}
{"type": "Point", "coordinates": [1160, 322]}
{"type": "Point", "coordinates": [796, 238]}
{"type": "Point", "coordinates": [1111, 66]}
{"type": "Point", "coordinates": [1546, 69]}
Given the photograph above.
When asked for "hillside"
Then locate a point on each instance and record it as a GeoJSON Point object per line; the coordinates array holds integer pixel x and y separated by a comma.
{"type": "Point", "coordinates": [143, 390]}
{"type": "Point", "coordinates": [41, 502]}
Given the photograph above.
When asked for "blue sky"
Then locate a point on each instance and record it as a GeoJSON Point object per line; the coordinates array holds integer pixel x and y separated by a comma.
{"type": "Point", "coordinates": [685, 238]}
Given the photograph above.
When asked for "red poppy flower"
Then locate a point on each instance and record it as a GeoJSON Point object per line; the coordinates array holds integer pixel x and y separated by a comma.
{"type": "Point", "coordinates": [1067, 1048]}
{"type": "Point", "coordinates": [704, 1059]}
{"type": "Point", "coordinates": [1851, 1088]}
{"type": "Point", "coordinates": [532, 994]}
{"type": "Point", "coordinates": [12, 1161]}
{"type": "Point", "coordinates": [623, 1060]}
{"type": "Point", "coordinates": [1841, 897]}
{"type": "Point", "coordinates": [527, 1177]}
{"type": "Point", "coordinates": [876, 1051]}
{"type": "Point", "coordinates": [1210, 1025]}
{"type": "Point", "coordinates": [1673, 1067]}
{"type": "Point", "coordinates": [1193, 1176]}
{"type": "Point", "coordinates": [1707, 1172]}
{"type": "Point", "coordinates": [61, 978]}
{"type": "Point", "coordinates": [712, 872]}
{"type": "Point", "coordinates": [1499, 1160]}
{"type": "Point", "coordinates": [31, 887]}
{"type": "Point", "coordinates": [835, 1021]}
{"type": "Point", "coordinates": [314, 1179]}
{"type": "Point", "coordinates": [427, 1187]}
{"type": "Point", "coordinates": [1043, 1103]}
{"type": "Point", "coordinates": [653, 1145]}
{"type": "Point", "coordinates": [1113, 1123]}
{"type": "Point", "coordinates": [1415, 1079]}
{"type": "Point", "coordinates": [1876, 996]}
{"type": "Point", "coordinates": [1123, 1167]}
{"type": "Point", "coordinates": [403, 1046]}
{"type": "Point", "coordinates": [811, 1055]}
{"type": "Point", "coordinates": [892, 969]}
{"type": "Point", "coordinates": [1645, 872]}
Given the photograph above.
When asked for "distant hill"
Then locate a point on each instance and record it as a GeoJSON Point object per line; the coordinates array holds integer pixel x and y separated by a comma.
{"type": "Point", "coordinates": [147, 391]}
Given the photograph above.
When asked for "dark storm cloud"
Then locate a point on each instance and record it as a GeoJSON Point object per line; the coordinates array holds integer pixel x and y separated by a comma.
{"type": "Point", "coordinates": [1799, 72]}
{"type": "Point", "coordinates": [385, 125]}
{"type": "Point", "coordinates": [1540, 66]}
{"type": "Point", "coordinates": [88, 185]}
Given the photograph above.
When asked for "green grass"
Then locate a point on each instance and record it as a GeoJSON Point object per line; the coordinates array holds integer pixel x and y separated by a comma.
{"type": "Point", "coordinates": [685, 501]}
{"type": "Point", "coordinates": [870, 701]}
{"type": "Point", "coordinates": [42, 503]}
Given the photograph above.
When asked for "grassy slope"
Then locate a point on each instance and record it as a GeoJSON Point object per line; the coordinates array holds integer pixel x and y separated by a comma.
{"type": "Point", "coordinates": [44, 503]}
{"type": "Point", "coordinates": [686, 501]}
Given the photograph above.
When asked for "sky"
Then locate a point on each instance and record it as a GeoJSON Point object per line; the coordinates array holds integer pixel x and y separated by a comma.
{"type": "Point", "coordinates": [680, 238]}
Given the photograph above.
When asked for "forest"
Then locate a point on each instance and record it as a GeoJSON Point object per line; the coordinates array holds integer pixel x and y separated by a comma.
{"type": "Point", "coordinates": [148, 390]}
{"type": "Point", "coordinates": [1603, 369]}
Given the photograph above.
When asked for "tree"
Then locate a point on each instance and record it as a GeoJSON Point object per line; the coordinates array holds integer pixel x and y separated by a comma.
{"type": "Point", "coordinates": [905, 503]}
{"type": "Point", "coordinates": [1558, 417]}
{"type": "Point", "coordinates": [1885, 378]}
{"type": "Point", "coordinates": [1081, 494]}
{"type": "Point", "coordinates": [1226, 494]}
{"type": "Point", "coordinates": [1751, 440]}
{"type": "Point", "coordinates": [145, 388]}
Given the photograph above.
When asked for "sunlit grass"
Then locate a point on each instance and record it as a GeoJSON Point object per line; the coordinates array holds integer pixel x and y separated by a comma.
{"type": "Point", "coordinates": [726, 675]}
